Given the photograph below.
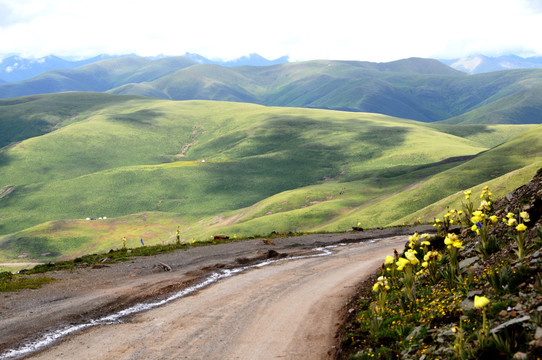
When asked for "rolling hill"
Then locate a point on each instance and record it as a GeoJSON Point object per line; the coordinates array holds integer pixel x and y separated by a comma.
{"type": "Point", "coordinates": [150, 165]}
{"type": "Point", "coordinates": [419, 89]}
{"type": "Point", "coordinates": [98, 76]}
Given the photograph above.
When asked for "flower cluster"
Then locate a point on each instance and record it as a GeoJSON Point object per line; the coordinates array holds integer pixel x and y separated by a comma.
{"type": "Point", "coordinates": [520, 229]}
{"type": "Point", "coordinates": [424, 287]}
{"type": "Point", "coordinates": [381, 283]}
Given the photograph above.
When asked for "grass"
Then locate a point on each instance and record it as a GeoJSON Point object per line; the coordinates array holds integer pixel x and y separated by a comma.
{"type": "Point", "coordinates": [10, 282]}
{"type": "Point", "coordinates": [139, 162]}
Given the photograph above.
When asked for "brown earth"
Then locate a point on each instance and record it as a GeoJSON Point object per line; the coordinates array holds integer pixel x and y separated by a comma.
{"type": "Point", "coordinates": [290, 309]}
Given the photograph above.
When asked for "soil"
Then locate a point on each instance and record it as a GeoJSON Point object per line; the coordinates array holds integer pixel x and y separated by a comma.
{"type": "Point", "coordinates": [291, 309]}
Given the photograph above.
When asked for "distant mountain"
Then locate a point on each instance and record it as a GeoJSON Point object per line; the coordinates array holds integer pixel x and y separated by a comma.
{"type": "Point", "coordinates": [16, 68]}
{"type": "Point", "coordinates": [479, 64]}
{"type": "Point", "coordinates": [248, 60]}
{"type": "Point", "coordinates": [98, 76]}
{"type": "Point", "coordinates": [419, 89]}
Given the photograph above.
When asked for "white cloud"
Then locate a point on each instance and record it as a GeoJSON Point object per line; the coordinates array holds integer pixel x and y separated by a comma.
{"type": "Point", "coordinates": [344, 29]}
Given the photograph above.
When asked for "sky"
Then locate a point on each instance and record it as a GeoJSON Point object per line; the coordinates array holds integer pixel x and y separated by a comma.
{"type": "Point", "coordinates": [383, 30]}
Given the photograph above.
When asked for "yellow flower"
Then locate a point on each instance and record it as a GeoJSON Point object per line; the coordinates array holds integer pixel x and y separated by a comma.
{"type": "Point", "coordinates": [425, 243]}
{"type": "Point", "coordinates": [401, 263]}
{"type": "Point", "coordinates": [521, 227]}
{"type": "Point", "coordinates": [493, 219]}
{"type": "Point", "coordinates": [480, 301]}
{"type": "Point", "coordinates": [432, 255]}
{"type": "Point", "coordinates": [475, 219]}
{"type": "Point", "coordinates": [426, 236]}
{"type": "Point", "coordinates": [512, 222]}
{"type": "Point", "coordinates": [484, 205]}
{"type": "Point", "coordinates": [425, 264]}
{"type": "Point", "coordinates": [474, 227]}
{"type": "Point", "coordinates": [525, 216]}
{"type": "Point", "coordinates": [510, 215]}
{"type": "Point", "coordinates": [411, 256]}
{"type": "Point", "coordinates": [453, 240]}
{"type": "Point", "coordinates": [388, 260]}
{"type": "Point", "coordinates": [381, 282]}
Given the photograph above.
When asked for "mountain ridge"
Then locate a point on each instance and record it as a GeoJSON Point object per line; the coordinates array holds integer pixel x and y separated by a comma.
{"type": "Point", "coordinates": [479, 64]}
{"type": "Point", "coordinates": [415, 88]}
{"type": "Point", "coordinates": [16, 68]}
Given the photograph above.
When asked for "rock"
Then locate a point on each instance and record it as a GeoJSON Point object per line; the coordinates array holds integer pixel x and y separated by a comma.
{"type": "Point", "coordinates": [163, 267]}
{"type": "Point", "coordinates": [538, 333]}
{"type": "Point", "coordinates": [414, 333]}
{"type": "Point", "coordinates": [465, 263]}
{"type": "Point", "coordinates": [509, 323]}
{"type": "Point", "coordinates": [520, 356]}
{"type": "Point", "coordinates": [472, 293]}
{"type": "Point", "coordinates": [467, 304]}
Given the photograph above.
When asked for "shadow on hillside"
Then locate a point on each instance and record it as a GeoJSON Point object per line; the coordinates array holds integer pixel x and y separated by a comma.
{"type": "Point", "coordinates": [141, 117]}
{"type": "Point", "coordinates": [40, 248]}
{"type": "Point", "coordinates": [4, 159]}
{"type": "Point", "coordinates": [462, 130]}
{"type": "Point", "coordinates": [288, 152]}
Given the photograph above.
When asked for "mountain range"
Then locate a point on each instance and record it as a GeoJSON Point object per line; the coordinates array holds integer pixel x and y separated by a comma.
{"type": "Point", "coordinates": [478, 64]}
{"type": "Point", "coordinates": [419, 89]}
{"type": "Point", "coordinates": [16, 68]}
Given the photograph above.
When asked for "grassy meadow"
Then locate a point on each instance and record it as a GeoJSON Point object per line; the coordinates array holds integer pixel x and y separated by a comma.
{"type": "Point", "coordinates": [211, 167]}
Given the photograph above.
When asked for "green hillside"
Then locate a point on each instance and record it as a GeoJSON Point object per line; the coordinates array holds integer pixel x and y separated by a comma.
{"type": "Point", "coordinates": [151, 165]}
{"type": "Point", "coordinates": [99, 76]}
{"type": "Point", "coordinates": [420, 89]}
{"type": "Point", "coordinates": [30, 116]}
{"type": "Point", "coordinates": [523, 107]}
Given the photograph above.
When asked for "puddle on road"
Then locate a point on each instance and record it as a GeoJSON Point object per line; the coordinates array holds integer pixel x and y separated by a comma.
{"type": "Point", "coordinates": [50, 338]}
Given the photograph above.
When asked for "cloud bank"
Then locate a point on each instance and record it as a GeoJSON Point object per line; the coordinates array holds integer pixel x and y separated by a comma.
{"type": "Point", "coordinates": [345, 29]}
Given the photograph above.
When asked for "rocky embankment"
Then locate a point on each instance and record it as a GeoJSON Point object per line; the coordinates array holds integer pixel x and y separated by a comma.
{"type": "Point", "coordinates": [495, 310]}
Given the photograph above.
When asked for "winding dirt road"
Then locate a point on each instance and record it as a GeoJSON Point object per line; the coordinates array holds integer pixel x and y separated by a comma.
{"type": "Point", "coordinates": [289, 309]}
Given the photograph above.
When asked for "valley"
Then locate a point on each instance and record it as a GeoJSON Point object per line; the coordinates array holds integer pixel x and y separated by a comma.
{"type": "Point", "coordinates": [220, 159]}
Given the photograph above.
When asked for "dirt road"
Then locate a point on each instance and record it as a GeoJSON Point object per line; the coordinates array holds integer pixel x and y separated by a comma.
{"type": "Point", "coordinates": [288, 309]}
